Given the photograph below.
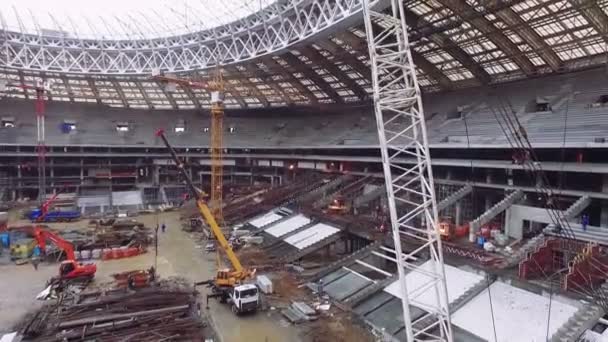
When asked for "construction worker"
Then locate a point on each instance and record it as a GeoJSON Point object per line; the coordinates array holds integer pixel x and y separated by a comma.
{"type": "Point", "coordinates": [36, 257]}
{"type": "Point", "coordinates": [585, 221]}
{"type": "Point", "coordinates": [163, 227]}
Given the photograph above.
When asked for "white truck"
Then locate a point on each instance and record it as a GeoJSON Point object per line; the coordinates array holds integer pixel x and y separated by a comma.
{"type": "Point", "coordinates": [244, 298]}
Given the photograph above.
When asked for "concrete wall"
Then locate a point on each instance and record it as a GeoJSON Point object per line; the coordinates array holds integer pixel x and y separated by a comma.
{"type": "Point", "coordinates": [515, 215]}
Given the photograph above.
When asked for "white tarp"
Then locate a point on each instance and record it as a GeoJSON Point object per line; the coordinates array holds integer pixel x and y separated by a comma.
{"type": "Point", "coordinates": [127, 198]}
{"type": "Point", "coordinates": [458, 282]}
{"type": "Point", "coordinates": [8, 337]}
{"type": "Point", "coordinates": [311, 235]}
{"type": "Point", "coordinates": [288, 226]}
{"type": "Point", "coordinates": [265, 219]}
{"type": "Point", "coordinates": [519, 315]}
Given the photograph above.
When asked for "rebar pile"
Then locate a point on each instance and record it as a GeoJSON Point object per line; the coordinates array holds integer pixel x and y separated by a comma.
{"type": "Point", "coordinates": [167, 311]}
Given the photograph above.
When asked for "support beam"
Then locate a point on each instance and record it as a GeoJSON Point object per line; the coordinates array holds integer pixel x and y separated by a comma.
{"type": "Point", "coordinates": [144, 94]}
{"type": "Point", "coordinates": [526, 32]}
{"type": "Point", "coordinates": [236, 94]}
{"type": "Point", "coordinates": [351, 59]}
{"type": "Point", "coordinates": [432, 71]}
{"type": "Point", "coordinates": [22, 80]}
{"type": "Point", "coordinates": [318, 59]}
{"type": "Point", "coordinates": [250, 86]}
{"type": "Point", "coordinates": [467, 12]}
{"type": "Point", "coordinates": [267, 78]}
{"type": "Point", "coordinates": [121, 93]}
{"type": "Point", "coordinates": [312, 75]}
{"type": "Point", "coordinates": [68, 87]}
{"type": "Point", "coordinates": [94, 90]}
{"type": "Point", "coordinates": [168, 95]}
{"type": "Point", "coordinates": [192, 96]}
{"type": "Point", "coordinates": [422, 63]}
{"type": "Point", "coordinates": [296, 83]}
{"type": "Point", "coordinates": [414, 21]}
{"type": "Point", "coordinates": [594, 14]}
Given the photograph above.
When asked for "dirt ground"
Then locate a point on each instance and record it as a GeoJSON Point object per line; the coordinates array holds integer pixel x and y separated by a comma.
{"type": "Point", "coordinates": [179, 255]}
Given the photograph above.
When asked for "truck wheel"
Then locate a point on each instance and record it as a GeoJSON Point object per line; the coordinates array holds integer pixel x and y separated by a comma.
{"type": "Point", "coordinates": [235, 310]}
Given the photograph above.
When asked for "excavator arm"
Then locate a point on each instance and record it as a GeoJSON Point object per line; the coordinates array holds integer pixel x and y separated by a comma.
{"type": "Point", "coordinates": [42, 236]}
{"type": "Point", "coordinates": [203, 208]}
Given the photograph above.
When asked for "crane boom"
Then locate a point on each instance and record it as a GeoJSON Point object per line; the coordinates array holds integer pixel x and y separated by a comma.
{"type": "Point", "coordinates": [216, 89]}
{"type": "Point", "coordinates": [202, 207]}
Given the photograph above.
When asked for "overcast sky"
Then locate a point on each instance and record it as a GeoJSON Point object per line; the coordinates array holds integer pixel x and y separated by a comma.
{"type": "Point", "coordinates": [118, 17]}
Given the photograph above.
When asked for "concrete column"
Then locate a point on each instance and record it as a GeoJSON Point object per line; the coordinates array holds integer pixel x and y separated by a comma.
{"type": "Point", "coordinates": [488, 203]}
{"type": "Point", "coordinates": [110, 178]}
{"type": "Point", "coordinates": [458, 214]}
{"type": "Point", "coordinates": [156, 174]}
{"type": "Point", "coordinates": [448, 175]}
{"type": "Point", "coordinates": [251, 177]}
{"type": "Point", "coordinates": [52, 172]}
{"type": "Point", "coordinates": [81, 171]}
{"type": "Point", "coordinates": [604, 211]}
{"type": "Point", "coordinates": [489, 176]}
{"type": "Point", "coordinates": [19, 180]}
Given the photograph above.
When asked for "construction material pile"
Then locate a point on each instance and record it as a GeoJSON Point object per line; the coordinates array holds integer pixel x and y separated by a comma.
{"type": "Point", "coordinates": [164, 311]}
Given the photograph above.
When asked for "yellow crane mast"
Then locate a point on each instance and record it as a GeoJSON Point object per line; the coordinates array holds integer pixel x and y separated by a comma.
{"type": "Point", "coordinates": [216, 88]}
{"type": "Point", "coordinates": [217, 133]}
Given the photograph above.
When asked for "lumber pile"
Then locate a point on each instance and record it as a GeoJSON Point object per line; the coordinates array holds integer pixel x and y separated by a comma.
{"type": "Point", "coordinates": [165, 311]}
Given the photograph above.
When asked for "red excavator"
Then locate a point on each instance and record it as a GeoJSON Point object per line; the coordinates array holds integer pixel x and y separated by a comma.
{"type": "Point", "coordinates": [69, 269]}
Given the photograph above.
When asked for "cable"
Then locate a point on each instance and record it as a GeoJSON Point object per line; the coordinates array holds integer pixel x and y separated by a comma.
{"type": "Point", "coordinates": [519, 137]}
{"type": "Point", "coordinates": [488, 282]}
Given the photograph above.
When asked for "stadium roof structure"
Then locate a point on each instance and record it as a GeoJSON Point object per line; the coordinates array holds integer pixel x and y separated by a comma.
{"type": "Point", "coordinates": [288, 52]}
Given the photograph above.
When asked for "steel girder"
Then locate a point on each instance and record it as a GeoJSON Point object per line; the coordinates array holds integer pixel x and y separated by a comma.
{"type": "Point", "coordinates": [254, 70]}
{"type": "Point", "coordinates": [467, 12]}
{"type": "Point", "coordinates": [314, 55]}
{"type": "Point", "coordinates": [270, 30]}
{"type": "Point", "coordinates": [275, 67]}
{"type": "Point", "coordinates": [594, 14]}
{"type": "Point", "coordinates": [451, 48]}
{"type": "Point", "coordinates": [311, 74]}
{"type": "Point", "coordinates": [527, 33]}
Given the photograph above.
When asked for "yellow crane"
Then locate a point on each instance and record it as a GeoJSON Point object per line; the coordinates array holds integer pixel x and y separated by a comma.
{"type": "Point", "coordinates": [216, 88]}
{"type": "Point", "coordinates": [228, 284]}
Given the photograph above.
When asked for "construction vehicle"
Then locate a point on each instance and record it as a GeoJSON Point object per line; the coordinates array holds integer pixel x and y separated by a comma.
{"type": "Point", "coordinates": [37, 215]}
{"type": "Point", "coordinates": [338, 206]}
{"type": "Point", "coordinates": [448, 230]}
{"type": "Point", "coordinates": [44, 214]}
{"type": "Point", "coordinates": [228, 284]}
{"type": "Point", "coordinates": [69, 269]}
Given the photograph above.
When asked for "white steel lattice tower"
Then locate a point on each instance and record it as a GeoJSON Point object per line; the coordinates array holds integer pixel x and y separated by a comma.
{"type": "Point", "coordinates": [411, 194]}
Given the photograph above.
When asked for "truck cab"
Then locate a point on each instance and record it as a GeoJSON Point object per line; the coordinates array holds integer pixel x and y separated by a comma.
{"type": "Point", "coordinates": [244, 298]}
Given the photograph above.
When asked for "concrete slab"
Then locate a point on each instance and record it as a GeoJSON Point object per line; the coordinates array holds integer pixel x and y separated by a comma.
{"type": "Point", "coordinates": [311, 235]}
{"type": "Point", "coordinates": [519, 315]}
{"type": "Point", "coordinates": [458, 282]}
{"type": "Point", "coordinates": [346, 286]}
{"type": "Point", "coordinates": [265, 219]}
{"type": "Point", "coordinates": [287, 226]}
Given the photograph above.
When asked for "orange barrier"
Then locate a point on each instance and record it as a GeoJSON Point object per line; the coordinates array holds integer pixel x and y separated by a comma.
{"type": "Point", "coordinates": [118, 253]}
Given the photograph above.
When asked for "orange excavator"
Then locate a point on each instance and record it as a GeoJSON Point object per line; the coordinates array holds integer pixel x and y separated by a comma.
{"type": "Point", "coordinates": [69, 269]}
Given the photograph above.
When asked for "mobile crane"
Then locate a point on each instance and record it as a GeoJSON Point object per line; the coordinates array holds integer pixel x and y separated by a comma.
{"type": "Point", "coordinates": [228, 283]}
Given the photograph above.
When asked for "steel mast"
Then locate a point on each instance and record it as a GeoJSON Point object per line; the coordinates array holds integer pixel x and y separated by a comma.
{"type": "Point", "coordinates": [410, 189]}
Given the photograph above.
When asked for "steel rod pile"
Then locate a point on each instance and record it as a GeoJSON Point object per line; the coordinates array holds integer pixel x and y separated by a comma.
{"type": "Point", "coordinates": [167, 311]}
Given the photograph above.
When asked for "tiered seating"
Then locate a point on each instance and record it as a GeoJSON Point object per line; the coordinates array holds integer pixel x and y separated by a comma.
{"type": "Point", "coordinates": [570, 96]}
